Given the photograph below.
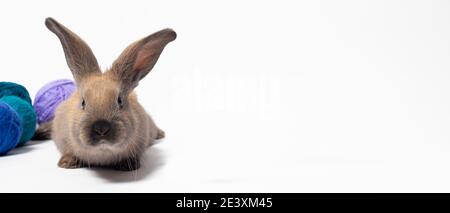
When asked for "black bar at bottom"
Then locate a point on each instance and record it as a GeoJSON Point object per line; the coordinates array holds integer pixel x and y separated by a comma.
{"type": "Point", "coordinates": [222, 201]}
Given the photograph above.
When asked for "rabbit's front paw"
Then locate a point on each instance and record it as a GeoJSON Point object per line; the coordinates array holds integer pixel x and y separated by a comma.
{"type": "Point", "coordinates": [161, 134]}
{"type": "Point", "coordinates": [69, 162]}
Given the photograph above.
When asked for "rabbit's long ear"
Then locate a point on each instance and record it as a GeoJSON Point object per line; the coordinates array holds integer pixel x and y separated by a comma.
{"type": "Point", "coordinates": [79, 56]}
{"type": "Point", "coordinates": [138, 59]}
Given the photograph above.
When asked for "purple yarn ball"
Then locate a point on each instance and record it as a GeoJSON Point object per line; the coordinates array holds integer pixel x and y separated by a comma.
{"type": "Point", "coordinates": [50, 96]}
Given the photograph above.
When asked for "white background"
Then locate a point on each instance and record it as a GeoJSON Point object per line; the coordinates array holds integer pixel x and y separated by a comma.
{"type": "Point", "coordinates": [255, 96]}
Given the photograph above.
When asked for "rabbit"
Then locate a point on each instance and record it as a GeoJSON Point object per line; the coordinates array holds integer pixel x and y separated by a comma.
{"type": "Point", "coordinates": [102, 124]}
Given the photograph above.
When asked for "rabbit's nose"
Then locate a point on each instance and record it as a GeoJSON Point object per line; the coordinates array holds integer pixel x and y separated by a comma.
{"type": "Point", "coordinates": [101, 128]}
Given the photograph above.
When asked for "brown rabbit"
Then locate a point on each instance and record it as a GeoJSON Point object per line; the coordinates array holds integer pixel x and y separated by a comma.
{"type": "Point", "coordinates": [102, 123]}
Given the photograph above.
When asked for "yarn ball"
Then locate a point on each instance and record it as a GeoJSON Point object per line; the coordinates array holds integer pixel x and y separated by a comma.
{"type": "Point", "coordinates": [50, 96]}
{"type": "Point", "coordinates": [13, 89]}
{"type": "Point", "coordinates": [26, 114]}
{"type": "Point", "coordinates": [10, 128]}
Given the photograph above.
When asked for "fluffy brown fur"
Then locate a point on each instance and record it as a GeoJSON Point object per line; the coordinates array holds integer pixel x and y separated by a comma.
{"type": "Point", "coordinates": [106, 96]}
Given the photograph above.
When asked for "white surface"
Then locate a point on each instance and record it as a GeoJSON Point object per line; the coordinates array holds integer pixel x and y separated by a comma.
{"type": "Point", "coordinates": [256, 96]}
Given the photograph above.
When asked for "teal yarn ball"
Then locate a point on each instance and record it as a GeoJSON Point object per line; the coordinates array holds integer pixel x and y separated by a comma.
{"type": "Point", "coordinates": [13, 89]}
{"type": "Point", "coordinates": [10, 128]}
{"type": "Point", "coordinates": [26, 114]}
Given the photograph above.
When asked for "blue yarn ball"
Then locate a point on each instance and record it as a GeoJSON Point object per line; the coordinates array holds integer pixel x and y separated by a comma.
{"type": "Point", "coordinates": [13, 89]}
{"type": "Point", "coordinates": [10, 128]}
{"type": "Point", "coordinates": [26, 114]}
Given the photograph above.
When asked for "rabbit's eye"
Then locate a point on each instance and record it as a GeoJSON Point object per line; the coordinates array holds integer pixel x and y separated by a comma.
{"type": "Point", "coordinates": [83, 104]}
{"type": "Point", "coordinates": [120, 102]}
